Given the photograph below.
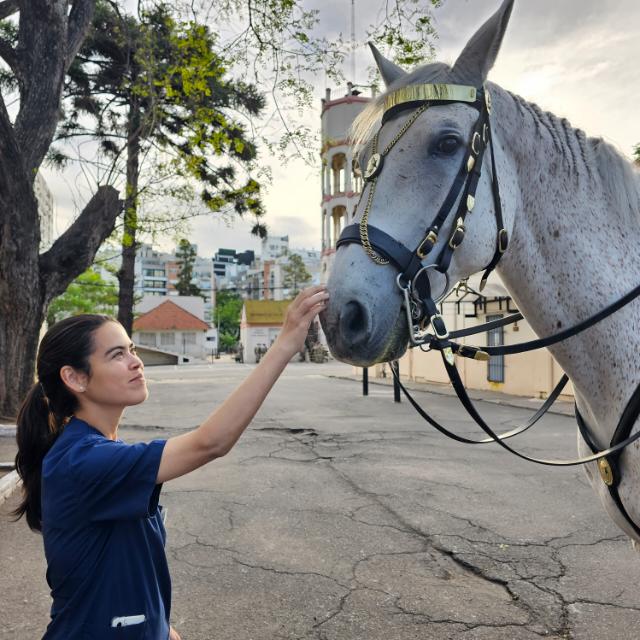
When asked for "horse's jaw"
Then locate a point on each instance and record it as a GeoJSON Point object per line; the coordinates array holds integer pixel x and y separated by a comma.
{"type": "Point", "coordinates": [364, 321]}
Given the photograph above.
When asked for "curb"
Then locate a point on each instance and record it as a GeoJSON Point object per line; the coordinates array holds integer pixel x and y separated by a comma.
{"type": "Point", "coordinates": [7, 485]}
{"type": "Point", "coordinates": [517, 402]}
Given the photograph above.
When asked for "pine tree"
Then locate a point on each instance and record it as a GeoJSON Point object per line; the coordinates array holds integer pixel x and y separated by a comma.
{"type": "Point", "coordinates": [296, 275]}
{"type": "Point", "coordinates": [156, 90]}
{"type": "Point", "coordinates": [186, 255]}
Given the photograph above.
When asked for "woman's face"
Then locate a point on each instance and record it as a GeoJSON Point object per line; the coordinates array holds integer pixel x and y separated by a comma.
{"type": "Point", "coordinates": [117, 373]}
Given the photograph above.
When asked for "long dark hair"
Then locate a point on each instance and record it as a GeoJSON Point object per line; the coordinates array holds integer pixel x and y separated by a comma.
{"type": "Point", "coordinates": [49, 404]}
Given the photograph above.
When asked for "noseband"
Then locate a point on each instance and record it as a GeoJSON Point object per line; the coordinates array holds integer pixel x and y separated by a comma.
{"type": "Point", "coordinates": [422, 311]}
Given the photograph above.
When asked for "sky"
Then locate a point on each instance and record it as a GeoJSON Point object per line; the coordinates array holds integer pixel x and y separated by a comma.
{"type": "Point", "coordinates": [576, 58]}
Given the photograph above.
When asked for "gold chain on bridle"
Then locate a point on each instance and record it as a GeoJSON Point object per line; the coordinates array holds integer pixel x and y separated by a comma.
{"type": "Point", "coordinates": [364, 232]}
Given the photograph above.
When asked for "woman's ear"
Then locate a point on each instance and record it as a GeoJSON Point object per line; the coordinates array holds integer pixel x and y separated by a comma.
{"type": "Point", "coordinates": [75, 381]}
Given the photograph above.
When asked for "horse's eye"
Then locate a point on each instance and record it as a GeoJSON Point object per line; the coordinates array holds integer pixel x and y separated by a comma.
{"type": "Point", "coordinates": [448, 144]}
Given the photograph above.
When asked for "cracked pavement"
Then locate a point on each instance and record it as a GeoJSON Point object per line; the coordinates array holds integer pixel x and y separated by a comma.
{"type": "Point", "coordinates": [343, 517]}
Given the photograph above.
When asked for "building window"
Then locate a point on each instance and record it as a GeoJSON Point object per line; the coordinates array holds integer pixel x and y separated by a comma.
{"type": "Point", "coordinates": [148, 339]}
{"type": "Point", "coordinates": [338, 216]}
{"type": "Point", "coordinates": [339, 170]}
{"type": "Point", "coordinates": [189, 338]}
{"type": "Point", "coordinates": [495, 338]}
{"type": "Point", "coordinates": [167, 339]}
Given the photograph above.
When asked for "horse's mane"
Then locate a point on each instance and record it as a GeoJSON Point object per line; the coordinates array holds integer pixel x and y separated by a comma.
{"type": "Point", "coordinates": [619, 178]}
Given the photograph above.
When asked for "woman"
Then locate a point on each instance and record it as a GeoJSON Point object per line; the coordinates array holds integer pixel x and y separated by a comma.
{"type": "Point", "coordinates": [95, 498]}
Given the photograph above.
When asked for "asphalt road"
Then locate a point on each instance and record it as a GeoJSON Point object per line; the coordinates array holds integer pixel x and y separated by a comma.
{"type": "Point", "coordinates": [340, 517]}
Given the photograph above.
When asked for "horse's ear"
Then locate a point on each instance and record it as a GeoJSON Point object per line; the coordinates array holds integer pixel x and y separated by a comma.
{"type": "Point", "coordinates": [473, 65]}
{"type": "Point", "coordinates": [389, 71]}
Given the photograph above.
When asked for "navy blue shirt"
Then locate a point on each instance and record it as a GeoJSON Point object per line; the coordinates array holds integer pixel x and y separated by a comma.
{"type": "Point", "coordinates": [104, 538]}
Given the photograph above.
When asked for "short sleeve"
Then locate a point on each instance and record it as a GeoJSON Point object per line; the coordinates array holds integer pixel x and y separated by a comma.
{"type": "Point", "coordinates": [117, 481]}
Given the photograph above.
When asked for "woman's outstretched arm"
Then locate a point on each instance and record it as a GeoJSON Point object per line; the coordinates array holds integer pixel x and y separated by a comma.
{"type": "Point", "coordinates": [220, 431]}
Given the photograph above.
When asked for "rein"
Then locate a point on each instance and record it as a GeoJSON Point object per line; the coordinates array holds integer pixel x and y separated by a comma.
{"type": "Point", "coordinates": [422, 311]}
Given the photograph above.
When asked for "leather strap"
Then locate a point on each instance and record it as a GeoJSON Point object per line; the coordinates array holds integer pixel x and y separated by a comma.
{"type": "Point", "coordinates": [539, 343]}
{"type": "Point", "coordinates": [621, 434]}
{"type": "Point", "coordinates": [461, 392]}
{"type": "Point", "coordinates": [553, 396]}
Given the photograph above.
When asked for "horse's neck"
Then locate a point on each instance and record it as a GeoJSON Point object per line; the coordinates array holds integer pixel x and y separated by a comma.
{"type": "Point", "coordinates": [570, 256]}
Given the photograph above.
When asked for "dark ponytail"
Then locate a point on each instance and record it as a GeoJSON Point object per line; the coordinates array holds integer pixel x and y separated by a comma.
{"type": "Point", "coordinates": [49, 404]}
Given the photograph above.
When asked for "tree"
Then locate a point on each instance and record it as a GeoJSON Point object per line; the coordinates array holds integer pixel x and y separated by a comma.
{"type": "Point", "coordinates": [636, 153]}
{"type": "Point", "coordinates": [88, 293]}
{"type": "Point", "coordinates": [37, 51]}
{"type": "Point", "coordinates": [186, 255]}
{"type": "Point", "coordinates": [154, 90]}
{"type": "Point", "coordinates": [275, 35]}
{"type": "Point", "coordinates": [295, 274]}
{"type": "Point", "coordinates": [227, 317]}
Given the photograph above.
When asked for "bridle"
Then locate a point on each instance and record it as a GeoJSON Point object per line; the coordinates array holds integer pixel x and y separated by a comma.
{"type": "Point", "coordinates": [422, 311]}
{"type": "Point", "coordinates": [412, 279]}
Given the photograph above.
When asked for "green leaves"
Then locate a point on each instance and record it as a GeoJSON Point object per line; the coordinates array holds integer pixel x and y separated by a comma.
{"type": "Point", "coordinates": [227, 316]}
{"type": "Point", "coordinates": [88, 293]}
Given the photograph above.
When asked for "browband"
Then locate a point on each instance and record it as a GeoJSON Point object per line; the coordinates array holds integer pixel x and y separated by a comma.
{"type": "Point", "coordinates": [429, 93]}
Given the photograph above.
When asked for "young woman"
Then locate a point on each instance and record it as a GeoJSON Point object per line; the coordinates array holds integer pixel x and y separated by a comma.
{"type": "Point", "coordinates": [95, 498]}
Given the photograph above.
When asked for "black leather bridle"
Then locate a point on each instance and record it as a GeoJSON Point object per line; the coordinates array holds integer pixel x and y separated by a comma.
{"type": "Point", "coordinates": [422, 311]}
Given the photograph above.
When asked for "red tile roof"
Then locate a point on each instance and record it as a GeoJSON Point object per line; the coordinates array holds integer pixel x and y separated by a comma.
{"type": "Point", "coordinates": [168, 316]}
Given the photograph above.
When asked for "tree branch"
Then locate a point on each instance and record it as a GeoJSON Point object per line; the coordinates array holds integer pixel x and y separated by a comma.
{"type": "Point", "coordinates": [79, 23]}
{"type": "Point", "coordinates": [9, 55]}
{"type": "Point", "coordinates": [73, 252]}
{"type": "Point", "coordinates": [7, 8]}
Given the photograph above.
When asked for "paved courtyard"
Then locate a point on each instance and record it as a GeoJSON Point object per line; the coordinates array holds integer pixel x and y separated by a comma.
{"type": "Point", "coordinates": [341, 517]}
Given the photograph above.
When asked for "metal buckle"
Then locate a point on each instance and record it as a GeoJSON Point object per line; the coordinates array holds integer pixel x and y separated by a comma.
{"type": "Point", "coordinates": [606, 472]}
{"type": "Point", "coordinates": [503, 240]}
{"type": "Point", "coordinates": [487, 99]}
{"type": "Point", "coordinates": [458, 235]}
{"type": "Point", "coordinates": [432, 238]}
{"type": "Point", "coordinates": [440, 336]}
{"type": "Point", "coordinates": [485, 134]}
{"type": "Point", "coordinates": [476, 139]}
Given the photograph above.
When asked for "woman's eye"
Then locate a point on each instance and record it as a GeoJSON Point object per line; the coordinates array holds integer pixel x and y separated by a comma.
{"type": "Point", "coordinates": [448, 145]}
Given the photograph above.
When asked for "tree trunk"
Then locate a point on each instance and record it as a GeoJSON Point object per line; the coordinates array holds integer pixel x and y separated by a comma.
{"type": "Point", "coordinates": [126, 275]}
{"type": "Point", "coordinates": [29, 281]}
{"type": "Point", "coordinates": [21, 299]}
{"type": "Point", "coordinates": [49, 36]}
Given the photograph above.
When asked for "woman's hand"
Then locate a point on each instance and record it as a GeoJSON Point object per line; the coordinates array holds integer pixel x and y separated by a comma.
{"type": "Point", "coordinates": [306, 306]}
{"type": "Point", "coordinates": [173, 634]}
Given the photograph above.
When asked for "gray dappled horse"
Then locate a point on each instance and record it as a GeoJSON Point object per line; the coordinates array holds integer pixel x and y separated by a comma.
{"type": "Point", "coordinates": [571, 208]}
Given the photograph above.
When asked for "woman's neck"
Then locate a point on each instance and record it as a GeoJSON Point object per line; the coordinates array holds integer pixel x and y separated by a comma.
{"type": "Point", "coordinates": [105, 420]}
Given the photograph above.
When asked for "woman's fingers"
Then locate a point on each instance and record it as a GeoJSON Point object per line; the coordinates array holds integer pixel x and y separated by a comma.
{"type": "Point", "coordinates": [306, 300]}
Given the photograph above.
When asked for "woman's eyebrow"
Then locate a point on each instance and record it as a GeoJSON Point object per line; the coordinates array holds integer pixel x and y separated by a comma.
{"type": "Point", "coordinates": [108, 351]}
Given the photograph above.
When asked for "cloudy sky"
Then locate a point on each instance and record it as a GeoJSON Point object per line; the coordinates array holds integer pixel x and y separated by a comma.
{"type": "Point", "coordinates": [576, 58]}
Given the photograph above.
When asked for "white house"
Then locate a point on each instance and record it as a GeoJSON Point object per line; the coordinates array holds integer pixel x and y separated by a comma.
{"type": "Point", "coordinates": [171, 328]}
{"type": "Point", "coordinates": [260, 325]}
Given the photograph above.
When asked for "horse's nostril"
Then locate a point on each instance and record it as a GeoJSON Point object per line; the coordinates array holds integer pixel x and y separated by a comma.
{"type": "Point", "coordinates": [354, 322]}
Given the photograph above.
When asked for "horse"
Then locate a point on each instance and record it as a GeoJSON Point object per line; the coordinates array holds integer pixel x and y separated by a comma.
{"type": "Point", "coordinates": [568, 204]}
